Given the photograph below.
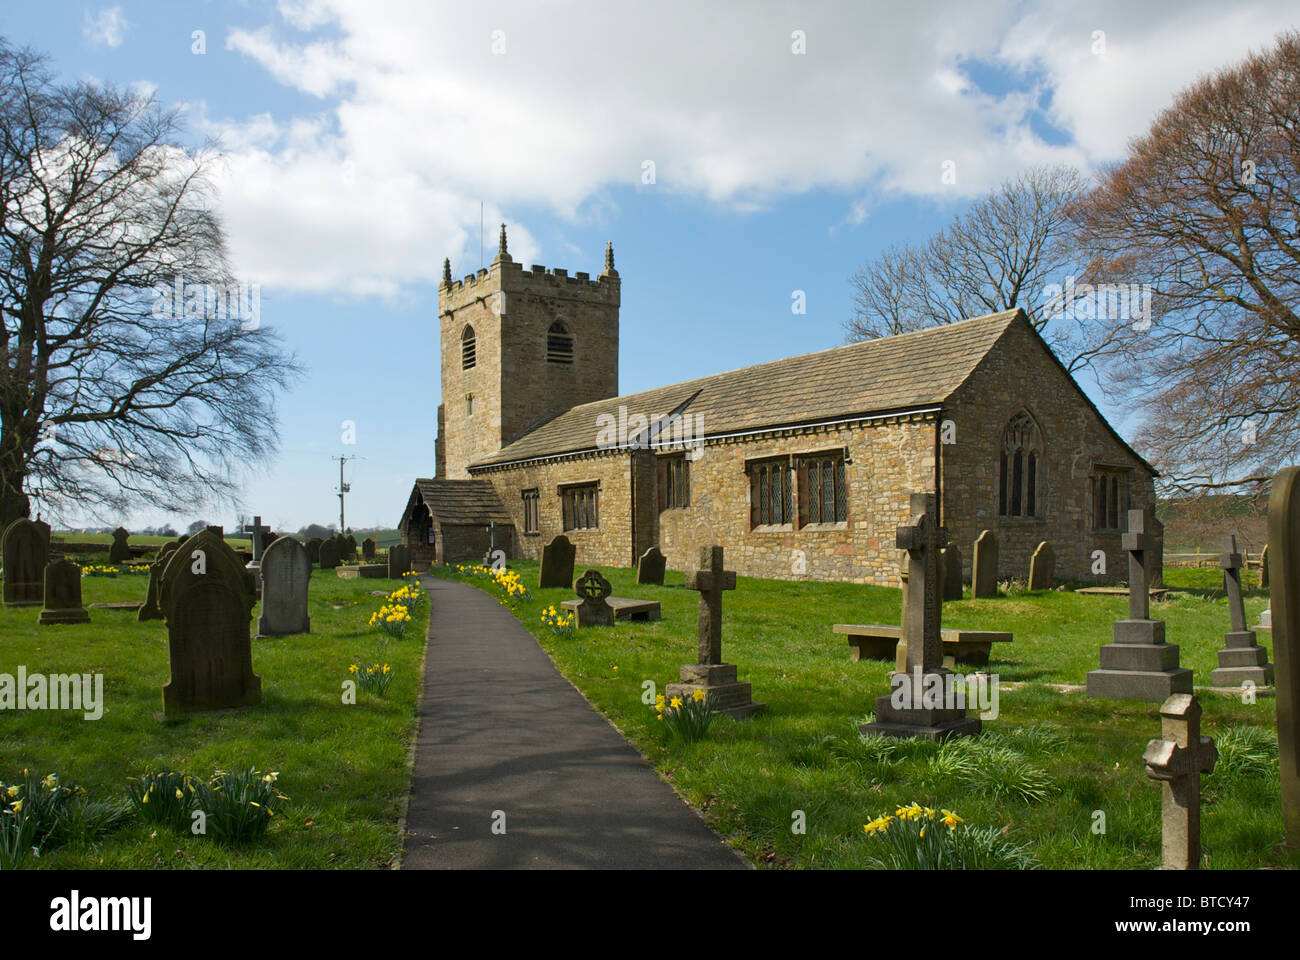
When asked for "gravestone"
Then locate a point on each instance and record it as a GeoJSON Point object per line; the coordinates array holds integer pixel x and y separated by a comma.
{"type": "Point", "coordinates": [151, 609]}
{"type": "Point", "coordinates": [557, 563]}
{"type": "Point", "coordinates": [1042, 567]}
{"type": "Point", "coordinates": [399, 560]}
{"type": "Point", "coordinates": [350, 547]}
{"type": "Point", "coordinates": [63, 594]}
{"type": "Point", "coordinates": [24, 551]}
{"type": "Point", "coordinates": [650, 568]}
{"type": "Point", "coordinates": [1139, 664]}
{"type": "Point", "coordinates": [286, 575]}
{"type": "Point", "coordinates": [984, 566]}
{"type": "Point", "coordinates": [368, 549]}
{"type": "Point", "coordinates": [257, 533]}
{"type": "Point", "coordinates": [1263, 568]}
{"type": "Point", "coordinates": [207, 599]}
{"type": "Point", "coordinates": [907, 711]}
{"type": "Point", "coordinates": [259, 537]}
{"type": "Point", "coordinates": [1178, 761]}
{"type": "Point", "coordinates": [710, 674]}
{"type": "Point", "coordinates": [594, 611]}
{"type": "Point", "coordinates": [119, 552]}
{"type": "Point", "coordinates": [950, 563]}
{"type": "Point", "coordinates": [1155, 564]}
{"type": "Point", "coordinates": [1284, 553]}
{"type": "Point", "coordinates": [329, 554]}
{"type": "Point", "coordinates": [1241, 659]}
{"type": "Point", "coordinates": [313, 549]}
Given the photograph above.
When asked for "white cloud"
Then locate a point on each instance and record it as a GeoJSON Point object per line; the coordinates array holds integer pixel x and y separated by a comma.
{"type": "Point", "coordinates": [107, 27]}
{"type": "Point", "coordinates": [419, 120]}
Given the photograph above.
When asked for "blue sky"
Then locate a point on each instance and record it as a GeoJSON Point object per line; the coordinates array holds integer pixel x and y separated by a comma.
{"type": "Point", "coordinates": [361, 137]}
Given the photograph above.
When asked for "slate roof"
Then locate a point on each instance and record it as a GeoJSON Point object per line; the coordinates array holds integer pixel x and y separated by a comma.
{"type": "Point", "coordinates": [460, 501]}
{"type": "Point", "coordinates": [907, 371]}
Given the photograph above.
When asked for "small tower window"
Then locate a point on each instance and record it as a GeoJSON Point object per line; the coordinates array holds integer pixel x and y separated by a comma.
{"type": "Point", "coordinates": [469, 405]}
{"type": "Point", "coordinates": [468, 348]}
{"type": "Point", "coordinates": [559, 344]}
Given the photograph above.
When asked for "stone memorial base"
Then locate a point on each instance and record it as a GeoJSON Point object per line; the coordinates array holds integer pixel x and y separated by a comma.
{"type": "Point", "coordinates": [719, 679]}
{"type": "Point", "coordinates": [927, 722]}
{"type": "Point", "coordinates": [1240, 660]}
{"type": "Point", "coordinates": [625, 608]}
{"type": "Point", "coordinates": [368, 571]}
{"type": "Point", "coordinates": [75, 615]}
{"type": "Point", "coordinates": [1139, 665]}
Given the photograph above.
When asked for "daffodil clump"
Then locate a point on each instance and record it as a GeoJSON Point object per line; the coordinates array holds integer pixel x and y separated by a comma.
{"type": "Point", "coordinates": [915, 837]}
{"type": "Point", "coordinates": [41, 813]}
{"type": "Point", "coordinates": [99, 570]}
{"type": "Point", "coordinates": [561, 624]}
{"type": "Point", "coordinates": [510, 586]}
{"type": "Point", "coordinates": [374, 678]}
{"type": "Point", "coordinates": [411, 596]}
{"type": "Point", "coordinates": [686, 718]}
{"type": "Point", "coordinates": [391, 619]}
{"type": "Point", "coordinates": [237, 807]}
{"type": "Point", "coordinates": [510, 589]}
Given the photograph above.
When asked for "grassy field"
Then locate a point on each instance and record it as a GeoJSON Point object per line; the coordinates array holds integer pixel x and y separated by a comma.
{"type": "Point", "coordinates": [1046, 770]}
{"type": "Point", "coordinates": [343, 767]}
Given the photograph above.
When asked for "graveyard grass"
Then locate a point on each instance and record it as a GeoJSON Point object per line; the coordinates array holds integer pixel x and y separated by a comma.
{"type": "Point", "coordinates": [343, 768]}
{"type": "Point", "coordinates": [803, 753]}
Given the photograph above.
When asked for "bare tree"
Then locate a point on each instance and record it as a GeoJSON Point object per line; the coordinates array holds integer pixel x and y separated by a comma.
{"type": "Point", "coordinates": [125, 374]}
{"type": "Point", "coordinates": [1005, 251]}
{"type": "Point", "coordinates": [1205, 208]}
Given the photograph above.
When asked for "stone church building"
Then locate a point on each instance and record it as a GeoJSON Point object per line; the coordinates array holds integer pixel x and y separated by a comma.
{"type": "Point", "coordinates": [800, 468]}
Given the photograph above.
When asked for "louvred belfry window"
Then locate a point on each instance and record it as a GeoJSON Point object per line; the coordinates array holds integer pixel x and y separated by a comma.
{"type": "Point", "coordinates": [468, 348]}
{"type": "Point", "coordinates": [559, 344]}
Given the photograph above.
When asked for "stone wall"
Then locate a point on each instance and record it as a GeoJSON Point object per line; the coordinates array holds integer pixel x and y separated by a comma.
{"type": "Point", "coordinates": [610, 544]}
{"type": "Point", "coordinates": [888, 462]}
{"type": "Point", "coordinates": [1019, 374]}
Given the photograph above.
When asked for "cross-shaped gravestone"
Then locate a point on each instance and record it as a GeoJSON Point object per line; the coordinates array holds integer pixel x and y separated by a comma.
{"type": "Point", "coordinates": [1230, 561]}
{"type": "Point", "coordinates": [258, 531]}
{"type": "Point", "coordinates": [710, 580]}
{"type": "Point", "coordinates": [1137, 541]}
{"type": "Point", "coordinates": [922, 538]}
{"type": "Point", "coordinates": [710, 676]}
{"type": "Point", "coordinates": [1242, 659]}
{"type": "Point", "coordinates": [1177, 761]}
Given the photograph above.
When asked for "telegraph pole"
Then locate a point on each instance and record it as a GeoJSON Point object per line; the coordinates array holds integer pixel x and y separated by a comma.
{"type": "Point", "coordinates": [343, 488]}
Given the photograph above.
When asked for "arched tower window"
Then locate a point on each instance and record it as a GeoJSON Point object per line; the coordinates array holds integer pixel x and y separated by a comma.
{"type": "Point", "coordinates": [468, 348]}
{"type": "Point", "coordinates": [1018, 466]}
{"type": "Point", "coordinates": [559, 344]}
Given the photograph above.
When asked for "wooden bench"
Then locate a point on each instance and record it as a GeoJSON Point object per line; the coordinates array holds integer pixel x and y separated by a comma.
{"type": "Point", "coordinates": [625, 608]}
{"type": "Point", "coordinates": [877, 641]}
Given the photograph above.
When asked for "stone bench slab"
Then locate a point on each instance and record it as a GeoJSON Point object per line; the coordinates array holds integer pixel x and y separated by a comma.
{"type": "Point", "coordinates": [877, 641]}
{"type": "Point", "coordinates": [625, 608]}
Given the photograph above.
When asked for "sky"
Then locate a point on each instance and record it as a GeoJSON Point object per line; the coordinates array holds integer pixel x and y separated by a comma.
{"type": "Point", "coordinates": [735, 153]}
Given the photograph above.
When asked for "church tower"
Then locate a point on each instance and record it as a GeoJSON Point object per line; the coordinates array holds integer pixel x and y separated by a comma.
{"type": "Point", "coordinates": [519, 347]}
